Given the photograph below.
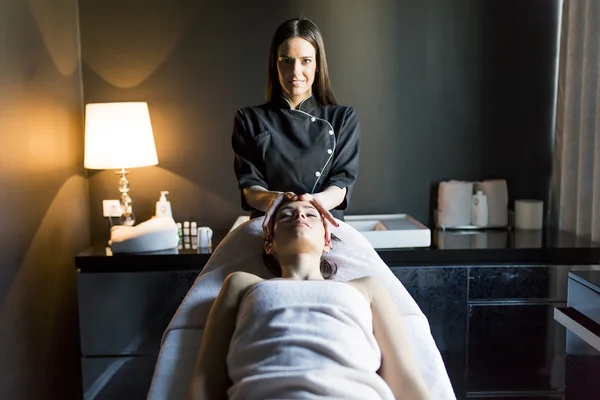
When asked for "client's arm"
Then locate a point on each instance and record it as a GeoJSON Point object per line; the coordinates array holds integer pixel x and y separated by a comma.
{"type": "Point", "coordinates": [398, 367]}
{"type": "Point", "coordinates": [210, 379]}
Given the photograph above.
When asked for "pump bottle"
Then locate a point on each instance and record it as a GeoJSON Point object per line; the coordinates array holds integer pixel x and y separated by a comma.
{"type": "Point", "coordinates": [163, 207]}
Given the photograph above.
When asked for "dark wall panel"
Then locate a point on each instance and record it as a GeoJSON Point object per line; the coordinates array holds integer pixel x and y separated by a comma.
{"type": "Point", "coordinates": [458, 89]}
{"type": "Point", "coordinates": [43, 199]}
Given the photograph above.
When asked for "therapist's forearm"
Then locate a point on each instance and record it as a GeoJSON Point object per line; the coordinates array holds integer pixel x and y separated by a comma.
{"type": "Point", "coordinates": [259, 198]}
{"type": "Point", "coordinates": [331, 197]}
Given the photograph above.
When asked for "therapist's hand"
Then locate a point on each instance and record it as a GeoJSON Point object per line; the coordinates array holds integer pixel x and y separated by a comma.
{"type": "Point", "coordinates": [314, 200]}
{"type": "Point", "coordinates": [273, 207]}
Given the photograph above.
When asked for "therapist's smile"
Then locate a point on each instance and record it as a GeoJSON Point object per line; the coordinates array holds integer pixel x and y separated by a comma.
{"type": "Point", "coordinates": [296, 67]}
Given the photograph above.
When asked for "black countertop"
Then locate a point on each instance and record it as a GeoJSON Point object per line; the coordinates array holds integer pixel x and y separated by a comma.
{"type": "Point", "coordinates": [548, 246]}
{"type": "Point", "coordinates": [491, 247]}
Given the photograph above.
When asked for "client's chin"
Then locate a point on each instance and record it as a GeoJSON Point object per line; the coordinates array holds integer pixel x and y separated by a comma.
{"type": "Point", "coordinates": [300, 244]}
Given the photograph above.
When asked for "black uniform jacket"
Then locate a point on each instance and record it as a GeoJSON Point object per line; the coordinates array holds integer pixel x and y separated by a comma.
{"type": "Point", "coordinates": [303, 150]}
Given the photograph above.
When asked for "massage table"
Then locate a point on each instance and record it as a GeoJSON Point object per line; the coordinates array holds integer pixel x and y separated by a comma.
{"type": "Point", "coordinates": [241, 250]}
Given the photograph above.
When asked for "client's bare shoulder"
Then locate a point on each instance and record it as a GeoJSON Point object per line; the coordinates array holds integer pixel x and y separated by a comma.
{"type": "Point", "coordinates": [369, 286]}
{"type": "Point", "coordinates": [237, 283]}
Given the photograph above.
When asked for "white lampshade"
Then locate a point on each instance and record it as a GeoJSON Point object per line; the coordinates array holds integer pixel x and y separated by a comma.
{"type": "Point", "coordinates": [118, 135]}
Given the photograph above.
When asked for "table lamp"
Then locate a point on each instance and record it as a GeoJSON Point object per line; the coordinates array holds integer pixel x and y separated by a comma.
{"type": "Point", "coordinates": [119, 136]}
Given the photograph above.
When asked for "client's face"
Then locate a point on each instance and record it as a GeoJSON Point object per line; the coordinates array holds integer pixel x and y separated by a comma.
{"type": "Point", "coordinates": [298, 228]}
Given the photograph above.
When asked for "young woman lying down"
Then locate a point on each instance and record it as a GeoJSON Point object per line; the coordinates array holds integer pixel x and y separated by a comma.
{"type": "Point", "coordinates": [303, 336]}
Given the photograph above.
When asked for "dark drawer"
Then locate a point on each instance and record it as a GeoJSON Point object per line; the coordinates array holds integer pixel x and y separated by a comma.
{"type": "Point", "coordinates": [583, 297]}
{"type": "Point", "coordinates": [581, 317]}
{"type": "Point", "coordinates": [127, 313]}
{"type": "Point", "coordinates": [515, 348]}
{"type": "Point", "coordinates": [582, 378]}
{"type": "Point", "coordinates": [517, 282]}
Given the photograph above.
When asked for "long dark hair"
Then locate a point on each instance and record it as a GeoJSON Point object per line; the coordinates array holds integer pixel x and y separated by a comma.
{"type": "Point", "coordinates": [307, 30]}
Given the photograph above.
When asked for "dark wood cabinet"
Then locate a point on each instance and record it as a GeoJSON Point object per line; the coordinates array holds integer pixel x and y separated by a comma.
{"type": "Point", "coordinates": [494, 326]}
{"type": "Point", "coordinates": [492, 321]}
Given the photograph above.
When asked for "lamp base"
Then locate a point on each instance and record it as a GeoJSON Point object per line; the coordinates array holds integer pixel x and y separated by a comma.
{"type": "Point", "coordinates": [127, 217]}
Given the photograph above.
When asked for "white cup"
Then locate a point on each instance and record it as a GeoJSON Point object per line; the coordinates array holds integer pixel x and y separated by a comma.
{"type": "Point", "coordinates": [204, 237]}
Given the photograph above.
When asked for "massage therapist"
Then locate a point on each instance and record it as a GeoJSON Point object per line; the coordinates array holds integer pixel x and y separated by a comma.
{"type": "Point", "coordinates": [300, 143]}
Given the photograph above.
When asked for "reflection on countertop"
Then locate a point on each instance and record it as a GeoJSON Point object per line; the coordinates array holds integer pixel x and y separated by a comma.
{"type": "Point", "coordinates": [508, 239]}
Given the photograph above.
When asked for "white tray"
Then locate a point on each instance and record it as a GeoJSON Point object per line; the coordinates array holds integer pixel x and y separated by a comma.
{"type": "Point", "coordinates": [391, 231]}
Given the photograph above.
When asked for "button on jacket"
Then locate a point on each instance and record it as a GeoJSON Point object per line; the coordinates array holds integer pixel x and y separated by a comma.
{"type": "Point", "coordinates": [303, 150]}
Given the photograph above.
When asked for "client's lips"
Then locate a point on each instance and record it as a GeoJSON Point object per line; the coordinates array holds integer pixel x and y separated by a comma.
{"type": "Point", "coordinates": [300, 223]}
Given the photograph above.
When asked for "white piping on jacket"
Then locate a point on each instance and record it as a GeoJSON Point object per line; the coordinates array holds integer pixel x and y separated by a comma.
{"type": "Point", "coordinates": [332, 150]}
{"type": "Point", "coordinates": [330, 127]}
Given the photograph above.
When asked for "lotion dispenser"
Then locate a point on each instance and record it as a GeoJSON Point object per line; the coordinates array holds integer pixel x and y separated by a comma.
{"type": "Point", "coordinates": [163, 207]}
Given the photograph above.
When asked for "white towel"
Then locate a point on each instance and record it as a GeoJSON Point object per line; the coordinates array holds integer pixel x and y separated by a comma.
{"type": "Point", "coordinates": [156, 234]}
{"type": "Point", "coordinates": [454, 203]}
{"type": "Point", "coordinates": [319, 338]}
{"type": "Point", "coordinates": [496, 191]}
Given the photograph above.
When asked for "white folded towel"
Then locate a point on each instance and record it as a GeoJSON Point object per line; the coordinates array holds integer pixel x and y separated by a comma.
{"type": "Point", "coordinates": [496, 191]}
{"type": "Point", "coordinates": [156, 234]}
{"type": "Point", "coordinates": [454, 203]}
{"type": "Point", "coordinates": [319, 339]}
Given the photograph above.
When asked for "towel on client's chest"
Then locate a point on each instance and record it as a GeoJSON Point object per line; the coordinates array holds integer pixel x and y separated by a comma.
{"type": "Point", "coordinates": [305, 339]}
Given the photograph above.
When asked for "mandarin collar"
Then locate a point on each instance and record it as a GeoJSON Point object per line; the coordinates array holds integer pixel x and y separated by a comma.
{"type": "Point", "coordinates": [307, 105]}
